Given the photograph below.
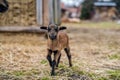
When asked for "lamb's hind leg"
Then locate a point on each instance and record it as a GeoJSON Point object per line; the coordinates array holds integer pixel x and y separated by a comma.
{"type": "Point", "coordinates": [58, 60]}
{"type": "Point", "coordinates": [67, 50]}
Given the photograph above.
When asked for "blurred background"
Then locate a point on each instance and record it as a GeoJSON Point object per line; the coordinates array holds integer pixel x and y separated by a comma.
{"type": "Point", "coordinates": [95, 10]}
{"type": "Point", "coordinates": [38, 12]}
{"type": "Point", "coordinates": [93, 27]}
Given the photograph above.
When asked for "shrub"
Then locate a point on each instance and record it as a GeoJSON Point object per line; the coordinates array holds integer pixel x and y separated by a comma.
{"type": "Point", "coordinates": [87, 9]}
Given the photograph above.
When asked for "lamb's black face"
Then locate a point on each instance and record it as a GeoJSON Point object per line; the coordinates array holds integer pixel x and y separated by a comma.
{"type": "Point", "coordinates": [3, 6]}
{"type": "Point", "coordinates": [52, 31]}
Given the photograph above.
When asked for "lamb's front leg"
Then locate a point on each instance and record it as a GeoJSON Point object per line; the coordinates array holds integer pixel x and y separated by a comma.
{"type": "Point", "coordinates": [54, 63]}
{"type": "Point", "coordinates": [49, 57]}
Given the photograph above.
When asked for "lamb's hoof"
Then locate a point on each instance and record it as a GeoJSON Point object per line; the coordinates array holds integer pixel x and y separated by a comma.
{"type": "Point", "coordinates": [70, 65]}
{"type": "Point", "coordinates": [52, 74]}
{"type": "Point", "coordinates": [56, 65]}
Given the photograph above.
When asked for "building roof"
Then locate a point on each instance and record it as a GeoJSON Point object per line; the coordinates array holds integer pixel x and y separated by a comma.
{"type": "Point", "coordinates": [104, 4]}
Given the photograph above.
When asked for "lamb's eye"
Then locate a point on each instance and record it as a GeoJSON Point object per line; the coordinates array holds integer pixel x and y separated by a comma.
{"type": "Point", "coordinates": [56, 29]}
{"type": "Point", "coordinates": [49, 29]}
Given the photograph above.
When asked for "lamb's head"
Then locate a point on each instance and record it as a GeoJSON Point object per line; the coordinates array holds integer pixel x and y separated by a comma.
{"type": "Point", "coordinates": [52, 30]}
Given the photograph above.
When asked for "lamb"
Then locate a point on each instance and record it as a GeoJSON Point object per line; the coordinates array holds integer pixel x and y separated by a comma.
{"type": "Point", "coordinates": [57, 40]}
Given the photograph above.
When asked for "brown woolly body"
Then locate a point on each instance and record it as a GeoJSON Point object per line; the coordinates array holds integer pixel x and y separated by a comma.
{"type": "Point", "coordinates": [61, 42]}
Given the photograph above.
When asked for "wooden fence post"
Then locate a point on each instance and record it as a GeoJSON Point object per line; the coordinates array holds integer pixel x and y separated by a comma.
{"type": "Point", "coordinates": [51, 12]}
{"type": "Point", "coordinates": [46, 12]}
{"type": "Point", "coordinates": [39, 9]}
{"type": "Point", "coordinates": [57, 12]}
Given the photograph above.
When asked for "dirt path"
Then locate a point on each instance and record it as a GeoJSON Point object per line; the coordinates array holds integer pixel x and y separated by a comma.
{"type": "Point", "coordinates": [93, 51]}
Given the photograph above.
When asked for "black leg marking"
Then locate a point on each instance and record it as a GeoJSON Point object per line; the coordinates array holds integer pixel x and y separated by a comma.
{"type": "Point", "coordinates": [49, 57]}
{"type": "Point", "coordinates": [53, 68]}
{"type": "Point", "coordinates": [67, 50]}
{"type": "Point", "coordinates": [50, 60]}
{"type": "Point", "coordinates": [54, 62]}
{"type": "Point", "coordinates": [58, 60]}
{"type": "Point", "coordinates": [55, 52]}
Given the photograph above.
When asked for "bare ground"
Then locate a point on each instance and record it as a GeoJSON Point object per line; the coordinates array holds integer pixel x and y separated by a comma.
{"type": "Point", "coordinates": [95, 53]}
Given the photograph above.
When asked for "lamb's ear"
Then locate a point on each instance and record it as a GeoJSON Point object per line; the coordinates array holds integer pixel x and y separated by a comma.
{"type": "Point", "coordinates": [43, 27]}
{"type": "Point", "coordinates": [62, 28]}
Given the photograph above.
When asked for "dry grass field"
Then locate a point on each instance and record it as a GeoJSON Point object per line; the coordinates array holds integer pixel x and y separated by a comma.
{"type": "Point", "coordinates": [95, 49]}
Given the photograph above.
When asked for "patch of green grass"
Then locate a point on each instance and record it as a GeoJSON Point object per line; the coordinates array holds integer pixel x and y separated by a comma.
{"type": "Point", "coordinates": [18, 73]}
{"type": "Point", "coordinates": [114, 74]}
{"type": "Point", "coordinates": [114, 56]}
{"type": "Point", "coordinates": [61, 66]}
{"type": "Point", "coordinates": [5, 76]}
{"type": "Point", "coordinates": [94, 76]}
{"type": "Point", "coordinates": [43, 62]}
{"type": "Point", "coordinates": [81, 72]}
{"type": "Point", "coordinates": [45, 78]}
{"type": "Point", "coordinates": [91, 75]}
{"type": "Point", "coordinates": [25, 72]}
{"type": "Point", "coordinates": [76, 69]}
{"type": "Point", "coordinates": [35, 71]}
{"type": "Point", "coordinates": [102, 78]}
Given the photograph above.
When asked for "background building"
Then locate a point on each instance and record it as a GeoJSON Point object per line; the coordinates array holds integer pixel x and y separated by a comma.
{"type": "Point", "coordinates": [105, 10]}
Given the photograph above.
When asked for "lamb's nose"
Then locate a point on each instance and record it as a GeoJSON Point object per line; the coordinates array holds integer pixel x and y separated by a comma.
{"type": "Point", "coordinates": [52, 37]}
